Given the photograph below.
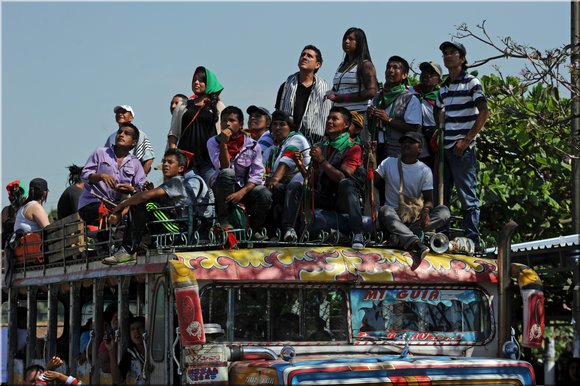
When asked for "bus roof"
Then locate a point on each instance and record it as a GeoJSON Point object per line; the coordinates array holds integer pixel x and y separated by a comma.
{"type": "Point", "coordinates": [335, 264]}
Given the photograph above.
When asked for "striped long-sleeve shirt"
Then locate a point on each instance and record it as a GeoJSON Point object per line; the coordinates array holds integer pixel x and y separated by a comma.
{"type": "Point", "coordinates": [459, 98]}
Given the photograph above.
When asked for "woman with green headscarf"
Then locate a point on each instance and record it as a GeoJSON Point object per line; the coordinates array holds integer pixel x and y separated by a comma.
{"type": "Point", "coordinates": [194, 122]}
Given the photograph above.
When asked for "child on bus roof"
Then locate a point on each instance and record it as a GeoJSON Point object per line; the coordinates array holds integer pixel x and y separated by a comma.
{"type": "Point", "coordinates": [145, 204]}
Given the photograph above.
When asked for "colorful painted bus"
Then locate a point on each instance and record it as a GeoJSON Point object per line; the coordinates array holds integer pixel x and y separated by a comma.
{"type": "Point", "coordinates": [280, 314]}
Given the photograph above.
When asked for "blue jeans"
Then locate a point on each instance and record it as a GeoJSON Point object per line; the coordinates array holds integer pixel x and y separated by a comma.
{"type": "Point", "coordinates": [257, 200]}
{"type": "Point", "coordinates": [462, 172]}
{"type": "Point", "coordinates": [345, 200]}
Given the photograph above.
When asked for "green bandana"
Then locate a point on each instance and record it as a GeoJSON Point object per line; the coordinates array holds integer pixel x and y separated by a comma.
{"type": "Point", "coordinates": [340, 143]}
{"type": "Point", "coordinates": [430, 96]}
{"type": "Point", "coordinates": [390, 95]}
{"type": "Point", "coordinates": [212, 85]}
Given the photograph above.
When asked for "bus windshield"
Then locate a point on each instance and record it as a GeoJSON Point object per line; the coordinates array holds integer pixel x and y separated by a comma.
{"type": "Point", "coordinates": [446, 316]}
{"type": "Point", "coordinates": [263, 314]}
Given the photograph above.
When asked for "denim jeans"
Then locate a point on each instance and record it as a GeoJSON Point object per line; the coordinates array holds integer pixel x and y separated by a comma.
{"type": "Point", "coordinates": [391, 222]}
{"type": "Point", "coordinates": [257, 200]}
{"type": "Point", "coordinates": [462, 172]}
{"type": "Point", "coordinates": [345, 200]}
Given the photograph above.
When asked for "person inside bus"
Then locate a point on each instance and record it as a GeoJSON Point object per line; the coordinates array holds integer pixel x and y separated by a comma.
{"type": "Point", "coordinates": [32, 217]}
{"type": "Point", "coordinates": [129, 369]}
{"type": "Point", "coordinates": [37, 375]}
{"type": "Point", "coordinates": [110, 327]}
{"type": "Point", "coordinates": [111, 173]}
{"type": "Point", "coordinates": [145, 205]}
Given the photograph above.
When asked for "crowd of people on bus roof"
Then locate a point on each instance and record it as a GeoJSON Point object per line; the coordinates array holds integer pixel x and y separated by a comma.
{"type": "Point", "coordinates": [324, 147]}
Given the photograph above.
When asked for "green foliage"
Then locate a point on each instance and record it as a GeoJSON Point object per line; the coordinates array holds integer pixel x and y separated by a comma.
{"type": "Point", "coordinates": [523, 173]}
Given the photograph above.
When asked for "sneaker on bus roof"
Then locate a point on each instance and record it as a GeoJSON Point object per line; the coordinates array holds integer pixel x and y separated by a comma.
{"type": "Point", "coordinates": [119, 257]}
{"type": "Point", "coordinates": [290, 235]}
{"type": "Point", "coordinates": [358, 241]}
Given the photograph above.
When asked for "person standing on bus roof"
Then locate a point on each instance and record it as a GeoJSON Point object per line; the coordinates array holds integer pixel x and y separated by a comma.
{"type": "Point", "coordinates": [143, 150]}
{"type": "Point", "coordinates": [395, 109]}
{"type": "Point", "coordinates": [111, 172]}
{"type": "Point", "coordinates": [195, 121]}
{"type": "Point", "coordinates": [303, 95]}
{"type": "Point", "coordinates": [177, 98]}
{"type": "Point", "coordinates": [466, 112]}
{"type": "Point", "coordinates": [355, 80]}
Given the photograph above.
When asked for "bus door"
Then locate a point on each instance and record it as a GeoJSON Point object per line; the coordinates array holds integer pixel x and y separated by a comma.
{"type": "Point", "coordinates": [160, 331]}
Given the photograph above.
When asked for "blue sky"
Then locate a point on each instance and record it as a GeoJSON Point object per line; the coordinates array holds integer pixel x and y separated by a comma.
{"type": "Point", "coordinates": [65, 65]}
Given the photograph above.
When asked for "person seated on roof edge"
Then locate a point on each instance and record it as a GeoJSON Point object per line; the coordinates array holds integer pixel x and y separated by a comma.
{"type": "Point", "coordinates": [238, 171]}
{"type": "Point", "coordinates": [111, 173]}
{"type": "Point", "coordinates": [417, 182]}
{"type": "Point", "coordinates": [281, 167]}
{"type": "Point", "coordinates": [31, 216]}
{"type": "Point", "coordinates": [153, 205]}
{"type": "Point", "coordinates": [337, 179]}
{"type": "Point", "coordinates": [16, 196]}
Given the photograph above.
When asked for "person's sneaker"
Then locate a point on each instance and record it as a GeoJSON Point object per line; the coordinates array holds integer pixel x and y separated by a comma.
{"type": "Point", "coordinates": [290, 235]}
{"type": "Point", "coordinates": [259, 237]}
{"type": "Point", "coordinates": [119, 257]}
{"type": "Point", "coordinates": [418, 253]}
{"type": "Point", "coordinates": [358, 241]}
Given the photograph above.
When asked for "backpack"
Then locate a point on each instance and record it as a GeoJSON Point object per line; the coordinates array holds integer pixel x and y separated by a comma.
{"type": "Point", "coordinates": [203, 201]}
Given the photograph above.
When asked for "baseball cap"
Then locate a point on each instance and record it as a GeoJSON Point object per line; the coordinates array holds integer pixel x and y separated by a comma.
{"type": "Point", "coordinates": [413, 136]}
{"type": "Point", "coordinates": [39, 184]}
{"type": "Point", "coordinates": [426, 65]}
{"type": "Point", "coordinates": [260, 109]}
{"type": "Point", "coordinates": [457, 45]}
{"type": "Point", "coordinates": [124, 107]}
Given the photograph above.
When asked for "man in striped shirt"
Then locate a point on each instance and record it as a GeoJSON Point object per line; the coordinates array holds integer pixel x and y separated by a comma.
{"type": "Point", "coordinates": [466, 112]}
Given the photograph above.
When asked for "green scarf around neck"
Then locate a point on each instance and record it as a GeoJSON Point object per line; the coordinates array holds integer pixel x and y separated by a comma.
{"type": "Point", "coordinates": [391, 95]}
{"type": "Point", "coordinates": [341, 143]}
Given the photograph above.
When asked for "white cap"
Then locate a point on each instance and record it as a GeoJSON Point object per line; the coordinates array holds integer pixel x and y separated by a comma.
{"type": "Point", "coordinates": [124, 107]}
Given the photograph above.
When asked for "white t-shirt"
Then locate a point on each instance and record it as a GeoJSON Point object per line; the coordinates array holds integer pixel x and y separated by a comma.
{"type": "Point", "coordinates": [417, 178]}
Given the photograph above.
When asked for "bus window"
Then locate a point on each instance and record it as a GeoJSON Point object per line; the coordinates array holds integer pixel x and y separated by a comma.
{"type": "Point", "coordinates": [279, 313]}
{"type": "Point", "coordinates": [159, 328]}
{"type": "Point", "coordinates": [442, 315]}
{"type": "Point", "coordinates": [42, 317]}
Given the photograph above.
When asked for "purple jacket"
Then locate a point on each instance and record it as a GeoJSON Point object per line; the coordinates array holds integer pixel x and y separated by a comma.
{"type": "Point", "coordinates": [247, 163]}
{"type": "Point", "coordinates": [103, 160]}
